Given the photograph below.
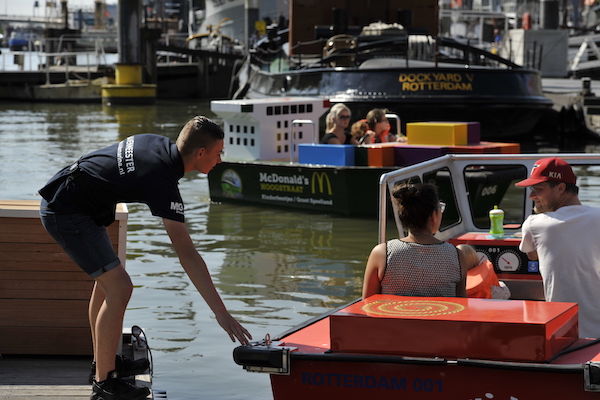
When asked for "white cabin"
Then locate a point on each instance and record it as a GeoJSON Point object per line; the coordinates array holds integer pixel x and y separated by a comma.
{"type": "Point", "coordinates": [270, 128]}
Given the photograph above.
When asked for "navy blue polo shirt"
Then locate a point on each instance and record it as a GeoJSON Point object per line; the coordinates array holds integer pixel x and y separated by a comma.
{"type": "Point", "coordinates": [139, 169]}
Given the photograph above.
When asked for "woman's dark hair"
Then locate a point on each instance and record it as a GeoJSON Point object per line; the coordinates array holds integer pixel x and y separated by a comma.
{"type": "Point", "coordinates": [375, 116]}
{"type": "Point", "coordinates": [416, 202]}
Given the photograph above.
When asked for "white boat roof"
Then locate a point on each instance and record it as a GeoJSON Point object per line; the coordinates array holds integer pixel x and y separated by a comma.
{"type": "Point", "coordinates": [235, 105]}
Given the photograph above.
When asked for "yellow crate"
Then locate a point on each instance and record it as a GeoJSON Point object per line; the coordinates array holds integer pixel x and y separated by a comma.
{"type": "Point", "coordinates": [437, 133]}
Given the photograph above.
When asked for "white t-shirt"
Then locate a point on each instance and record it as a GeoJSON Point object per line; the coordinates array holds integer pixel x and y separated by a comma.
{"type": "Point", "coordinates": [567, 242]}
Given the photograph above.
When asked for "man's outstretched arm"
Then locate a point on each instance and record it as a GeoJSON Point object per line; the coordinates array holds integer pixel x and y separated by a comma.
{"type": "Point", "coordinates": [196, 269]}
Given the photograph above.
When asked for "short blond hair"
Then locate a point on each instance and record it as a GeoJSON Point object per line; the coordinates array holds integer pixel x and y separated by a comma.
{"type": "Point", "coordinates": [198, 132]}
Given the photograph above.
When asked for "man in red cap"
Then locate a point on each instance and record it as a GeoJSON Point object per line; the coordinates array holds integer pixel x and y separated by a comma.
{"type": "Point", "coordinates": [563, 236]}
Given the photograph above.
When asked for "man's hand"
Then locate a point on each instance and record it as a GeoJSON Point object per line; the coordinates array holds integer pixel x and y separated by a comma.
{"type": "Point", "coordinates": [233, 328]}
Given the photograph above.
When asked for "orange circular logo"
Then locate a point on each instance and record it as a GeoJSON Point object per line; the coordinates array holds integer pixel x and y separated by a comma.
{"type": "Point", "coordinates": [412, 308]}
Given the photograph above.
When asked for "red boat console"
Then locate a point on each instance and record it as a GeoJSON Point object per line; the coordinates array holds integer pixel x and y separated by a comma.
{"type": "Point", "coordinates": [504, 253]}
{"type": "Point", "coordinates": [452, 327]}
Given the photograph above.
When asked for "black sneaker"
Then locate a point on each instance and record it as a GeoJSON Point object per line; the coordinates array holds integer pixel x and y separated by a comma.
{"type": "Point", "coordinates": [115, 389]}
{"type": "Point", "coordinates": [124, 367]}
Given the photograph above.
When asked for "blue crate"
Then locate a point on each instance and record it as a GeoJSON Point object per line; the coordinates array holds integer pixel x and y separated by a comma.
{"type": "Point", "coordinates": [327, 154]}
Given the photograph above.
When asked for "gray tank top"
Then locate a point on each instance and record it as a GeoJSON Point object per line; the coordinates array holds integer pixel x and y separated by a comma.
{"type": "Point", "coordinates": [413, 269]}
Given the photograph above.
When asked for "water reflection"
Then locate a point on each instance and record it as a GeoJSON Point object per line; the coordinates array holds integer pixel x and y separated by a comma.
{"type": "Point", "coordinates": [274, 255]}
{"type": "Point", "coordinates": [131, 119]}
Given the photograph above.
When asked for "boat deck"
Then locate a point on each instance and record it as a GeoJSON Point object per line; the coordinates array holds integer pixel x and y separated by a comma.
{"type": "Point", "coordinates": [315, 339]}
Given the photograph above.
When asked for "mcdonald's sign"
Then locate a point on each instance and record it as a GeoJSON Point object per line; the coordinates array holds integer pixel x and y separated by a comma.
{"type": "Point", "coordinates": [322, 181]}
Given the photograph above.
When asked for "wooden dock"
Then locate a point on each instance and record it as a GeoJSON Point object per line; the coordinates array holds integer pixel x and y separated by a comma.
{"type": "Point", "coordinates": [44, 378]}
{"type": "Point", "coordinates": [45, 343]}
{"type": "Point", "coordinates": [34, 377]}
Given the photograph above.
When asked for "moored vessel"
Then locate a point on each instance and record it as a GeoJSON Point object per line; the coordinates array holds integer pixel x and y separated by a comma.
{"type": "Point", "coordinates": [407, 70]}
{"type": "Point", "coordinates": [271, 158]}
{"type": "Point", "coordinates": [460, 348]}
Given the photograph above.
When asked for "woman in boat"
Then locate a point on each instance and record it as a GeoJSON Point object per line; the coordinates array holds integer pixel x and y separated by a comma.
{"type": "Point", "coordinates": [337, 122]}
{"type": "Point", "coordinates": [379, 127]}
{"type": "Point", "coordinates": [418, 264]}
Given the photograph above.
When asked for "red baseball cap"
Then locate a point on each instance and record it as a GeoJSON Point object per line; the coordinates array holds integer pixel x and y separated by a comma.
{"type": "Point", "coordinates": [550, 169]}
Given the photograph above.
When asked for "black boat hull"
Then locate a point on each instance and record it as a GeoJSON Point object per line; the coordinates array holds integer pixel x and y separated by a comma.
{"type": "Point", "coordinates": [507, 102]}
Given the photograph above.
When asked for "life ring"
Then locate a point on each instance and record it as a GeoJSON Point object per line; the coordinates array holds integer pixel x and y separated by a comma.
{"type": "Point", "coordinates": [480, 280]}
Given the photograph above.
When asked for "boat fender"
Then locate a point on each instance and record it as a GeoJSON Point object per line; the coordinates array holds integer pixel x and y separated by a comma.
{"type": "Point", "coordinates": [259, 357]}
{"type": "Point", "coordinates": [481, 279]}
{"type": "Point", "coordinates": [592, 376]}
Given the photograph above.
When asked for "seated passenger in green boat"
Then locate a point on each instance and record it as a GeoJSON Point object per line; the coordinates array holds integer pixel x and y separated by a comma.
{"type": "Point", "coordinates": [418, 264]}
{"type": "Point", "coordinates": [337, 122]}
{"type": "Point", "coordinates": [359, 131]}
{"type": "Point", "coordinates": [379, 128]}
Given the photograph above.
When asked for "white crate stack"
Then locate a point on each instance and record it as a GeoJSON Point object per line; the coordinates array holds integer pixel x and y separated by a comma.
{"type": "Point", "coordinates": [261, 129]}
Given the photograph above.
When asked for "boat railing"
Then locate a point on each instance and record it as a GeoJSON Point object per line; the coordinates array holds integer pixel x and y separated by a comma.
{"type": "Point", "coordinates": [587, 48]}
{"type": "Point", "coordinates": [48, 55]}
{"type": "Point", "coordinates": [396, 118]}
{"type": "Point", "coordinates": [415, 47]}
{"type": "Point", "coordinates": [479, 17]}
{"type": "Point", "coordinates": [457, 165]}
{"type": "Point", "coordinates": [474, 55]}
{"type": "Point", "coordinates": [174, 39]}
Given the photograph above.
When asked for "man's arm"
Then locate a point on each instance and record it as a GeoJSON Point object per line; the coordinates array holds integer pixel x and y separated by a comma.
{"type": "Point", "coordinates": [527, 244]}
{"type": "Point", "coordinates": [196, 269]}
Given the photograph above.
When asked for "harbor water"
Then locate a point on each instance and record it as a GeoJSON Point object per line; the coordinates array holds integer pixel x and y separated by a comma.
{"type": "Point", "coordinates": [273, 268]}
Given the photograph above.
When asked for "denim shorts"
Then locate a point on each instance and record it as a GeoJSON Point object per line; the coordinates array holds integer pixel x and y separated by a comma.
{"type": "Point", "coordinates": [85, 242]}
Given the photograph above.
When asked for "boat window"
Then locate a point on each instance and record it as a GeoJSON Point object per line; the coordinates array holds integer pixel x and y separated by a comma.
{"type": "Point", "coordinates": [588, 180]}
{"type": "Point", "coordinates": [269, 110]}
{"type": "Point", "coordinates": [491, 185]}
{"type": "Point", "coordinates": [442, 180]}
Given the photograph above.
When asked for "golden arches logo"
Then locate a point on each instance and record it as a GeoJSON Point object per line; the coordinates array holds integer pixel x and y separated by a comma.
{"type": "Point", "coordinates": [412, 308]}
{"type": "Point", "coordinates": [322, 180]}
